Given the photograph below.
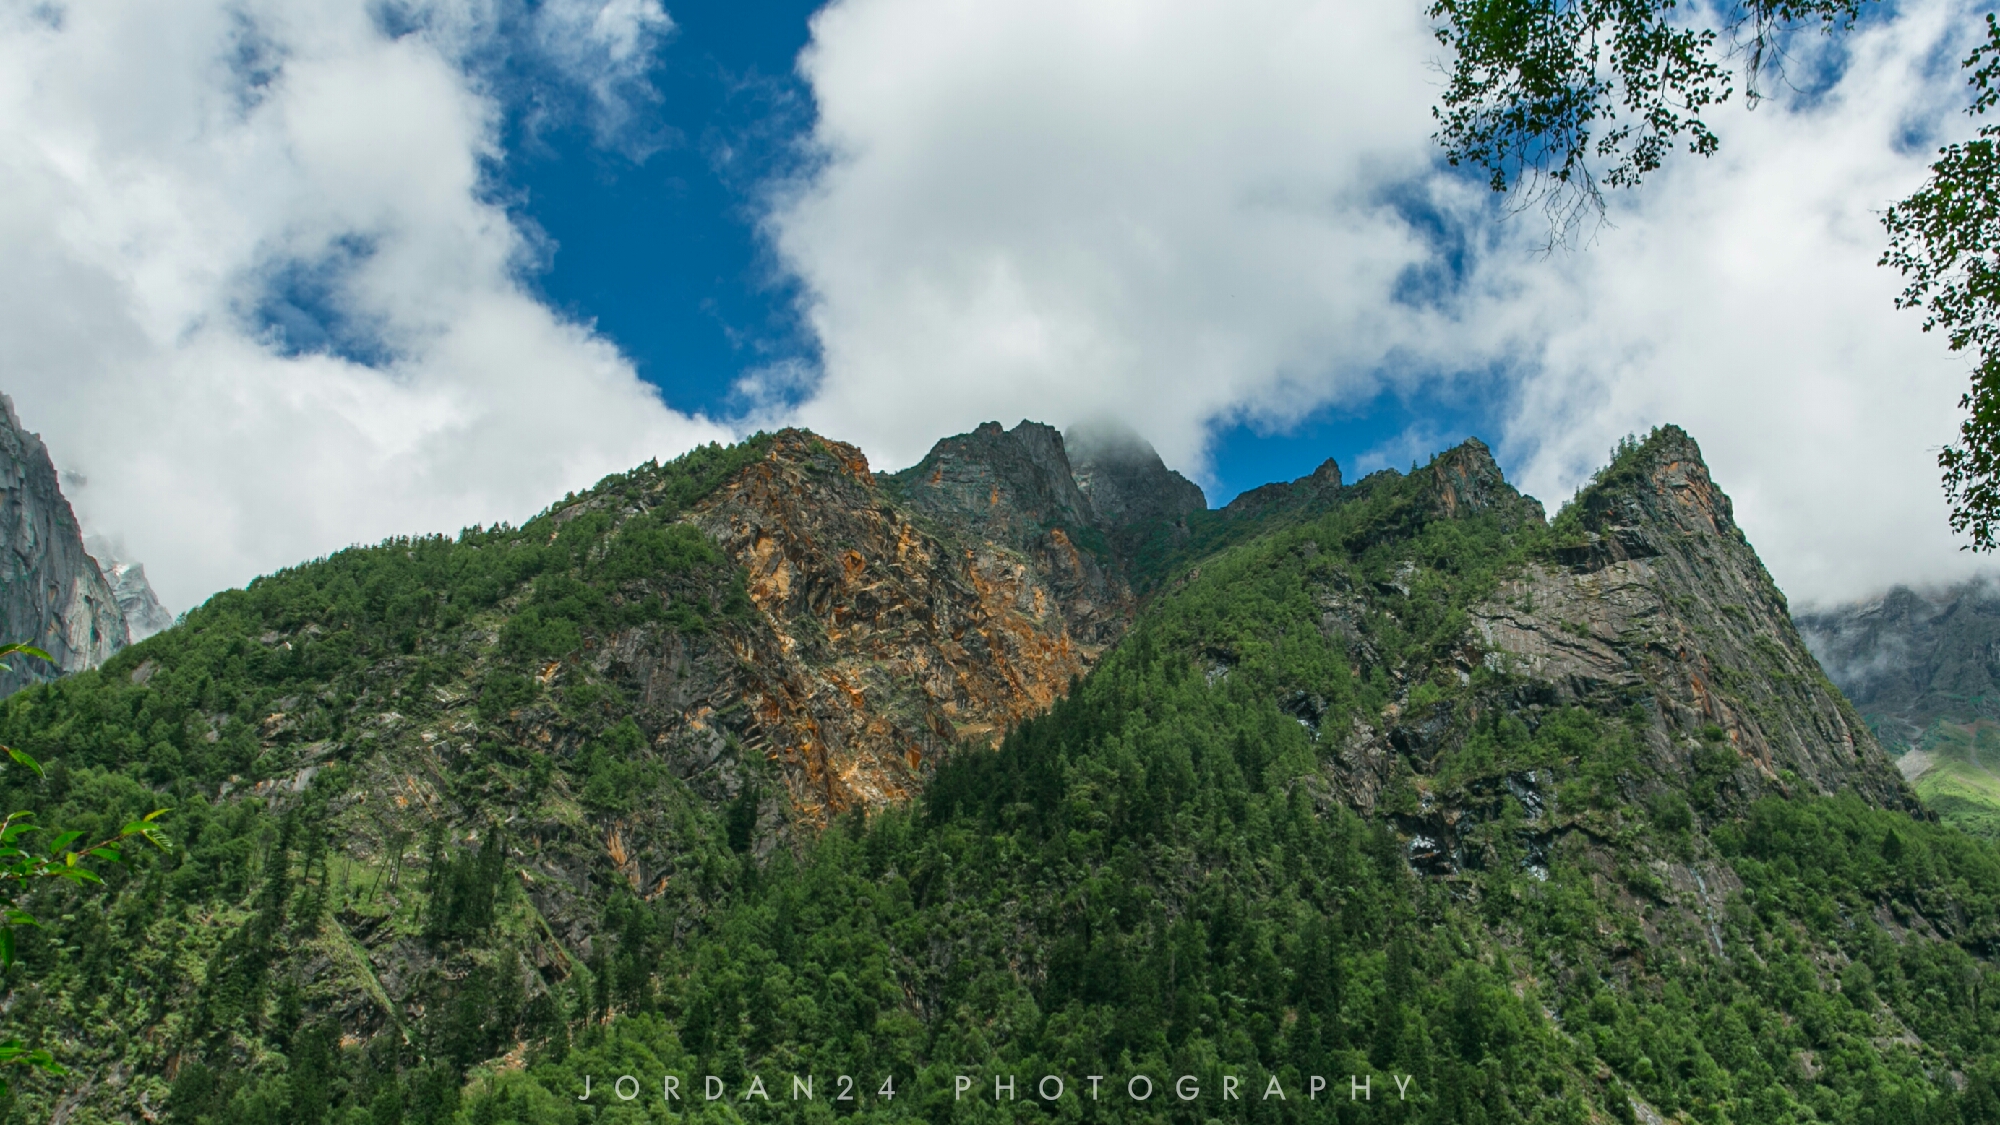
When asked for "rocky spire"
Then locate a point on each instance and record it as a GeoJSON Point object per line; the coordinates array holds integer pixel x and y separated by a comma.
{"type": "Point", "coordinates": [1125, 479]}
{"type": "Point", "coordinates": [1313, 491]}
{"type": "Point", "coordinates": [1655, 594]}
{"type": "Point", "coordinates": [1009, 485]}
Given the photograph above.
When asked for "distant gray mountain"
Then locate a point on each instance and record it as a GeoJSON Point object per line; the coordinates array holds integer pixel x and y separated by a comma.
{"type": "Point", "coordinates": [1908, 659]}
{"type": "Point", "coordinates": [144, 615]}
{"type": "Point", "coordinates": [52, 593]}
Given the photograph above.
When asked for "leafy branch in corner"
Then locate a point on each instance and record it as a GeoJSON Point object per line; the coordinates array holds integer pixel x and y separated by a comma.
{"type": "Point", "coordinates": [21, 868]}
{"type": "Point", "coordinates": [1943, 239]}
{"type": "Point", "coordinates": [1557, 100]}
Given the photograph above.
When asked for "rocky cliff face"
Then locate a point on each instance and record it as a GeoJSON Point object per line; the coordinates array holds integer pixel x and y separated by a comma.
{"type": "Point", "coordinates": [1648, 603]}
{"type": "Point", "coordinates": [903, 614]}
{"type": "Point", "coordinates": [1654, 595]}
{"type": "Point", "coordinates": [1316, 490]}
{"type": "Point", "coordinates": [882, 642]}
{"type": "Point", "coordinates": [1015, 490]}
{"type": "Point", "coordinates": [52, 594]}
{"type": "Point", "coordinates": [1126, 481]}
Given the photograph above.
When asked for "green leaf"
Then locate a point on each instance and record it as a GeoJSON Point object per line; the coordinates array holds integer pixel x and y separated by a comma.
{"type": "Point", "coordinates": [26, 650]}
{"type": "Point", "coordinates": [25, 759]}
{"type": "Point", "coordinates": [64, 840]}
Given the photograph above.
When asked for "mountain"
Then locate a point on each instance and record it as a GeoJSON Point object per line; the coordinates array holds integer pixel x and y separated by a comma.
{"type": "Point", "coordinates": [931, 787]}
{"type": "Point", "coordinates": [52, 594]}
{"type": "Point", "coordinates": [144, 615]}
{"type": "Point", "coordinates": [1908, 659]}
{"type": "Point", "coordinates": [1924, 671]}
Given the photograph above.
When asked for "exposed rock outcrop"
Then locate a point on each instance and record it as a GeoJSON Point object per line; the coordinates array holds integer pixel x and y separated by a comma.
{"type": "Point", "coordinates": [1655, 597]}
{"type": "Point", "coordinates": [144, 615]}
{"type": "Point", "coordinates": [1645, 607]}
{"type": "Point", "coordinates": [52, 594]}
{"type": "Point", "coordinates": [1006, 485]}
{"type": "Point", "coordinates": [1015, 490]}
{"type": "Point", "coordinates": [1315, 490]}
{"type": "Point", "coordinates": [879, 642]}
{"type": "Point", "coordinates": [1125, 479]}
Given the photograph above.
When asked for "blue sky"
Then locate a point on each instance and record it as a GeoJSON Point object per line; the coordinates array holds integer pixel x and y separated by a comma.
{"type": "Point", "coordinates": [665, 256]}
{"type": "Point", "coordinates": [663, 253]}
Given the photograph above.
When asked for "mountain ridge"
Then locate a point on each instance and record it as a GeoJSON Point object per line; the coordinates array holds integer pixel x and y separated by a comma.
{"type": "Point", "coordinates": [760, 760]}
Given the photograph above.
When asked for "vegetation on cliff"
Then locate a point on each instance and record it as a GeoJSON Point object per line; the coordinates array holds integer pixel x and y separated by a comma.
{"type": "Point", "coordinates": [1373, 792]}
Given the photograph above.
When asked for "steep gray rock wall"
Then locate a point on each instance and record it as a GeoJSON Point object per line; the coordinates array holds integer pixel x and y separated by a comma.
{"type": "Point", "coordinates": [1007, 485]}
{"type": "Point", "coordinates": [52, 594]}
{"type": "Point", "coordinates": [1014, 489]}
{"type": "Point", "coordinates": [1655, 596]}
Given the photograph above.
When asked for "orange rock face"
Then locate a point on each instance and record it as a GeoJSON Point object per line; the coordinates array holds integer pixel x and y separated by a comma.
{"type": "Point", "coordinates": [879, 645]}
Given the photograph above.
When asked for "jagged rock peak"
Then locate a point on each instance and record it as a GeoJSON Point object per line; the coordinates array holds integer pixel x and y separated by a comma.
{"type": "Point", "coordinates": [1007, 484]}
{"type": "Point", "coordinates": [144, 615]}
{"type": "Point", "coordinates": [1466, 479]}
{"type": "Point", "coordinates": [52, 594]}
{"type": "Point", "coordinates": [1125, 479]}
{"type": "Point", "coordinates": [1660, 482]}
{"type": "Point", "coordinates": [1655, 594]}
{"type": "Point", "coordinates": [1315, 489]}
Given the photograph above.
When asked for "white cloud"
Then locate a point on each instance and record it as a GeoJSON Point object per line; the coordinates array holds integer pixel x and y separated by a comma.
{"type": "Point", "coordinates": [169, 170]}
{"type": "Point", "coordinates": [1162, 211]}
{"type": "Point", "coordinates": [1174, 212]}
{"type": "Point", "coordinates": [1739, 297]}
{"type": "Point", "coordinates": [606, 47]}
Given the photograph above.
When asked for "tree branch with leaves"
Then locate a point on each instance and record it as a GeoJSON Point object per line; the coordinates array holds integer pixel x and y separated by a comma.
{"type": "Point", "coordinates": [1558, 100]}
{"type": "Point", "coordinates": [1944, 239]}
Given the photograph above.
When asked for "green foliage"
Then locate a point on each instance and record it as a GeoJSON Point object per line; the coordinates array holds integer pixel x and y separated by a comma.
{"type": "Point", "coordinates": [1941, 239]}
{"type": "Point", "coordinates": [1557, 99]}
{"type": "Point", "coordinates": [1178, 870]}
{"type": "Point", "coordinates": [294, 679]}
{"type": "Point", "coordinates": [1554, 97]}
{"type": "Point", "coordinates": [1957, 780]}
{"type": "Point", "coordinates": [22, 867]}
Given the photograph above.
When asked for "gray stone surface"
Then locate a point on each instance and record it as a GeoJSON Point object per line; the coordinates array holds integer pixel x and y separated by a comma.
{"type": "Point", "coordinates": [1125, 479]}
{"type": "Point", "coordinates": [52, 594]}
{"type": "Point", "coordinates": [144, 615]}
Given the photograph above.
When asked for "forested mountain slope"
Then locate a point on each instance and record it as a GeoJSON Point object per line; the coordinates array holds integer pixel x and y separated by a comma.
{"type": "Point", "coordinates": [1394, 783]}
